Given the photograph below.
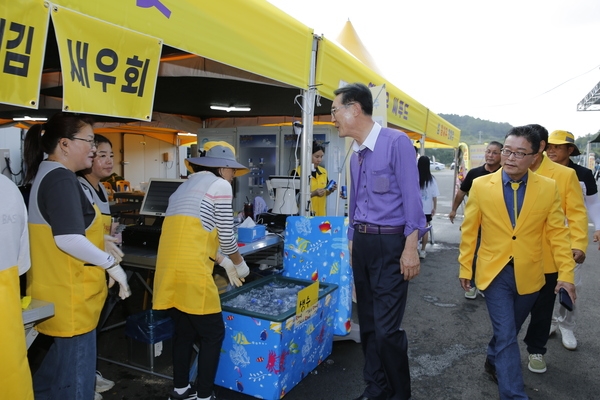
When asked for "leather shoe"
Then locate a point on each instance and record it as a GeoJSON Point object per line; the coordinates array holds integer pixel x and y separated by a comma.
{"type": "Point", "coordinates": [490, 370]}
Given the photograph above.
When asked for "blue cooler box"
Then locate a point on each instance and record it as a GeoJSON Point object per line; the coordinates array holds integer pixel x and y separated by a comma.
{"type": "Point", "coordinates": [266, 356]}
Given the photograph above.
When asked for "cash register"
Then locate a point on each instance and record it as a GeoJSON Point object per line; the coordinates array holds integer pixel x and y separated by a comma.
{"type": "Point", "coordinates": [154, 207]}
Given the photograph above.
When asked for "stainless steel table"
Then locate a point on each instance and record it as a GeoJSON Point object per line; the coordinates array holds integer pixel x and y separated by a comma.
{"type": "Point", "coordinates": [37, 311]}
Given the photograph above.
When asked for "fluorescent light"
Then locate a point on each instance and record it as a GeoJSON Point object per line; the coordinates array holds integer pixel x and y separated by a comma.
{"type": "Point", "coordinates": [186, 134]}
{"type": "Point", "coordinates": [228, 109]}
{"type": "Point", "coordinates": [26, 118]}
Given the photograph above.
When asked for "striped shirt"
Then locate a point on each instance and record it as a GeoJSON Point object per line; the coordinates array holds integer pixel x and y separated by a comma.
{"type": "Point", "coordinates": [213, 208]}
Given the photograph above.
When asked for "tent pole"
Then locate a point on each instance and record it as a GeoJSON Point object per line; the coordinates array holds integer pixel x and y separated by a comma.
{"type": "Point", "coordinates": [308, 112]}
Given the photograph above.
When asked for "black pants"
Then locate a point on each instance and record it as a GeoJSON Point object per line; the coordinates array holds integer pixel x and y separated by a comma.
{"type": "Point", "coordinates": [541, 317]}
{"type": "Point", "coordinates": [209, 330]}
{"type": "Point", "coordinates": [381, 299]}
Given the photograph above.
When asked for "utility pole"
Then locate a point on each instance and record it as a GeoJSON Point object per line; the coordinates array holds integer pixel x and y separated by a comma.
{"type": "Point", "coordinates": [479, 142]}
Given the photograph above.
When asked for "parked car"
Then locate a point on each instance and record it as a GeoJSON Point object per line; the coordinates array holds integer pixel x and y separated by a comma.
{"type": "Point", "coordinates": [436, 166]}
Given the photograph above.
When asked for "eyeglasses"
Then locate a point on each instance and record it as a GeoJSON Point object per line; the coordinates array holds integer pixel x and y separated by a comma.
{"type": "Point", "coordinates": [336, 109]}
{"type": "Point", "coordinates": [519, 155]}
{"type": "Point", "coordinates": [92, 142]}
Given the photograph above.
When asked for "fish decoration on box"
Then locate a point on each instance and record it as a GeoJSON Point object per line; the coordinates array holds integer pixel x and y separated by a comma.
{"type": "Point", "coordinates": [316, 248]}
{"type": "Point", "coordinates": [268, 362]}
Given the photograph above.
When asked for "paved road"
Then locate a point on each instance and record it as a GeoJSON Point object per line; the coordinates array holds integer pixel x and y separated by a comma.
{"type": "Point", "coordinates": [447, 340]}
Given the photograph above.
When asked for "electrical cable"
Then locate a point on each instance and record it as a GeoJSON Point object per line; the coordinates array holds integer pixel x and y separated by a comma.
{"type": "Point", "coordinates": [544, 93]}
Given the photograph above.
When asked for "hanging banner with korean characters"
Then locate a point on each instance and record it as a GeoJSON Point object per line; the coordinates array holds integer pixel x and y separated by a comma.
{"type": "Point", "coordinates": [23, 31]}
{"type": "Point", "coordinates": [107, 69]}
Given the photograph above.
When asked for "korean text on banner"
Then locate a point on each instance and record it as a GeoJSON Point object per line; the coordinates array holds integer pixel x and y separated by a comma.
{"type": "Point", "coordinates": [107, 69]}
{"type": "Point", "coordinates": [23, 31]}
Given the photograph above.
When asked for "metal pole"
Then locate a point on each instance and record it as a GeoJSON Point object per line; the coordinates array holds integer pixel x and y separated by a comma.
{"type": "Point", "coordinates": [308, 112]}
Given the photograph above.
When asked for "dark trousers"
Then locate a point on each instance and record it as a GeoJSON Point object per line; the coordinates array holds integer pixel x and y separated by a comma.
{"type": "Point", "coordinates": [381, 299]}
{"type": "Point", "coordinates": [541, 317]}
{"type": "Point", "coordinates": [209, 330]}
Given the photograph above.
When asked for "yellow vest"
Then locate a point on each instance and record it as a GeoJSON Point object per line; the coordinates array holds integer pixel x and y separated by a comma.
{"type": "Point", "coordinates": [318, 204]}
{"type": "Point", "coordinates": [78, 291]}
{"type": "Point", "coordinates": [15, 376]}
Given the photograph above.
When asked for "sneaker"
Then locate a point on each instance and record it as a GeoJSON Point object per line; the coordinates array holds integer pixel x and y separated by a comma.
{"type": "Point", "coordinates": [422, 254]}
{"type": "Point", "coordinates": [97, 396]}
{"type": "Point", "coordinates": [553, 328]}
{"type": "Point", "coordinates": [568, 338]}
{"type": "Point", "coordinates": [189, 394]}
{"type": "Point", "coordinates": [480, 293]}
{"type": "Point", "coordinates": [537, 363]}
{"type": "Point", "coordinates": [471, 293]}
{"type": "Point", "coordinates": [102, 384]}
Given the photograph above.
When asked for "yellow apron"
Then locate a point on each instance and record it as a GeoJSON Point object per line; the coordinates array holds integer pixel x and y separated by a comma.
{"type": "Point", "coordinates": [15, 376]}
{"type": "Point", "coordinates": [183, 268]}
{"type": "Point", "coordinates": [318, 204]}
{"type": "Point", "coordinates": [78, 291]}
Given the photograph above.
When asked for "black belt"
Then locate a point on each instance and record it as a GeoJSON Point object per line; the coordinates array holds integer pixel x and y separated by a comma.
{"type": "Point", "coordinates": [378, 230]}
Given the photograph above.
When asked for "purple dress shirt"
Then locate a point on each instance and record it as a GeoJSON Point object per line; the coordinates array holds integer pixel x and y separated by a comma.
{"type": "Point", "coordinates": [385, 184]}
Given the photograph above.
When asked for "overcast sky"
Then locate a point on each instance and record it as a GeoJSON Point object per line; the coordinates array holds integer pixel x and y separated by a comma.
{"type": "Point", "coordinates": [521, 62]}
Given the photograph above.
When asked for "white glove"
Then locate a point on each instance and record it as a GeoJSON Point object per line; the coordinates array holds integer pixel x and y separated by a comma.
{"type": "Point", "coordinates": [234, 279]}
{"type": "Point", "coordinates": [242, 269]}
{"type": "Point", "coordinates": [110, 246]}
{"type": "Point", "coordinates": [117, 274]}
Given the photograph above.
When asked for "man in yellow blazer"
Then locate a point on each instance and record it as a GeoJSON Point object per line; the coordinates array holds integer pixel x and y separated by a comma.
{"type": "Point", "coordinates": [515, 209]}
{"type": "Point", "coordinates": [573, 205]}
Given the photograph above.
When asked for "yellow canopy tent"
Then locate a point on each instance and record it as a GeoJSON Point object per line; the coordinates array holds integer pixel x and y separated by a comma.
{"type": "Point", "coordinates": [257, 37]}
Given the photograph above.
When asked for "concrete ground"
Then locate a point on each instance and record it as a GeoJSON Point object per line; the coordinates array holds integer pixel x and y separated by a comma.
{"type": "Point", "coordinates": [447, 333]}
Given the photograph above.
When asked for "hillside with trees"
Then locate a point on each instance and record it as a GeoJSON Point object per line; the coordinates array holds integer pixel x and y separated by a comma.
{"type": "Point", "coordinates": [475, 130]}
{"type": "Point", "coordinates": [472, 131]}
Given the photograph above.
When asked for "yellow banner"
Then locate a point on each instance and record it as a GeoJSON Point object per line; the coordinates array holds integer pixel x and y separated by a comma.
{"type": "Point", "coordinates": [23, 31]}
{"type": "Point", "coordinates": [477, 155]}
{"type": "Point", "coordinates": [107, 70]}
{"type": "Point", "coordinates": [441, 131]}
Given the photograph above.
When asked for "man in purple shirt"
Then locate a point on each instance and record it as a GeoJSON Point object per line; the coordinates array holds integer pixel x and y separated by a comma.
{"type": "Point", "coordinates": [386, 221]}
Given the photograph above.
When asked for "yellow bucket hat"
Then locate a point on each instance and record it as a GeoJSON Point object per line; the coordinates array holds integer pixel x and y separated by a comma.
{"type": "Point", "coordinates": [217, 155]}
{"type": "Point", "coordinates": [564, 137]}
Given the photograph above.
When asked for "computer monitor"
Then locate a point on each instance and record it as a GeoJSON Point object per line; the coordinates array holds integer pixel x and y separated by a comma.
{"type": "Point", "coordinates": [157, 196]}
{"type": "Point", "coordinates": [286, 188]}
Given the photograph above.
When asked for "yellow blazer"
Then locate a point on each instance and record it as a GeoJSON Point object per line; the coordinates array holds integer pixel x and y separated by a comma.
{"type": "Point", "coordinates": [572, 204]}
{"type": "Point", "coordinates": [540, 215]}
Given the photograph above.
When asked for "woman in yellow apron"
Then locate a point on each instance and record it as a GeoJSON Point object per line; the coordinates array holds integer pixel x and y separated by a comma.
{"type": "Point", "coordinates": [102, 167]}
{"type": "Point", "coordinates": [15, 377]}
{"type": "Point", "coordinates": [318, 182]}
{"type": "Point", "coordinates": [198, 220]}
{"type": "Point", "coordinates": [68, 265]}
